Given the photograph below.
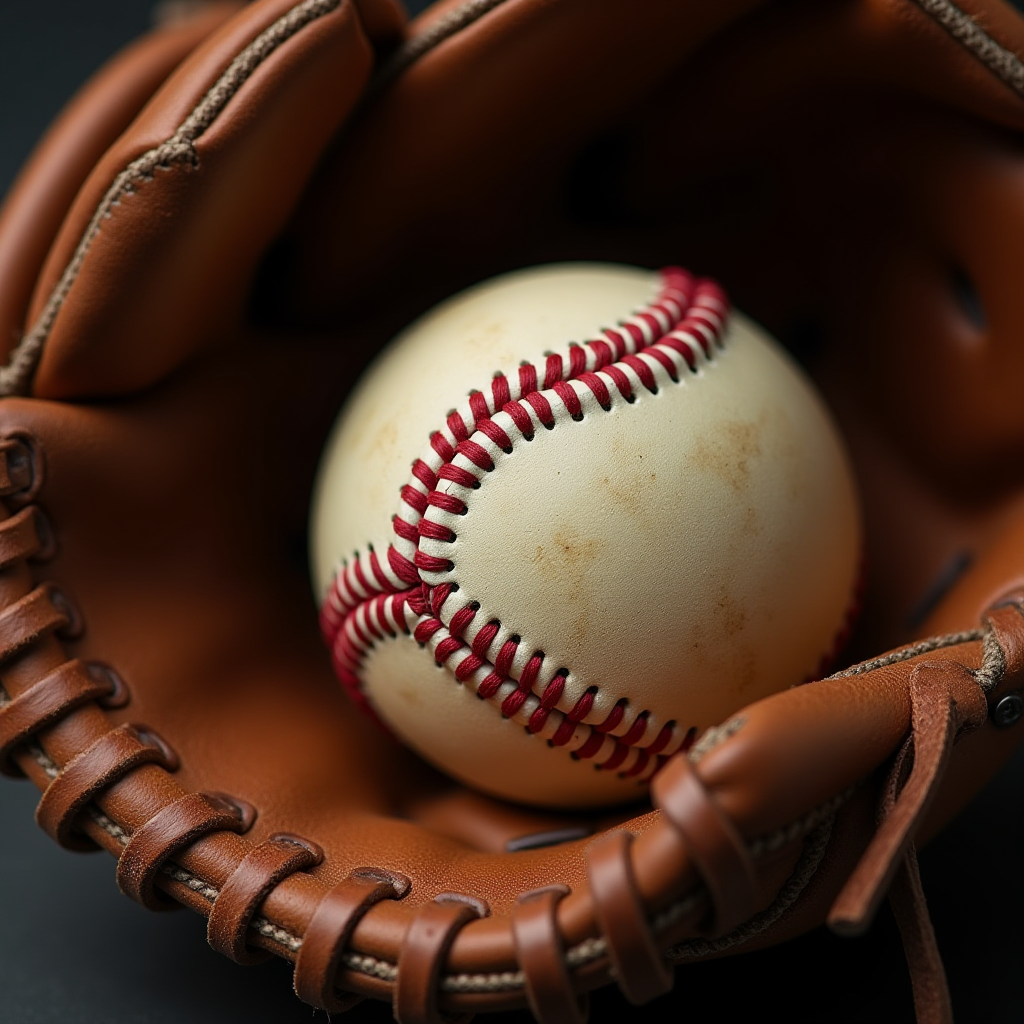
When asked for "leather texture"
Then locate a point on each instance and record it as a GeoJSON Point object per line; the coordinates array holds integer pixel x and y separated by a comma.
{"type": "Point", "coordinates": [236, 215]}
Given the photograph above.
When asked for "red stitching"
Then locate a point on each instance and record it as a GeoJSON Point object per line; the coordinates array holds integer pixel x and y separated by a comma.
{"type": "Point", "coordinates": [484, 639]}
{"type": "Point", "coordinates": [370, 600]}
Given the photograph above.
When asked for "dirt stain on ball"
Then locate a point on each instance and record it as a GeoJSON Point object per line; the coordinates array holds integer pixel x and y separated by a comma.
{"type": "Point", "coordinates": [728, 453]}
{"type": "Point", "coordinates": [567, 556]}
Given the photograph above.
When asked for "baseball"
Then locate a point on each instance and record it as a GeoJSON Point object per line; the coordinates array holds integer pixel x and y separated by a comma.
{"type": "Point", "coordinates": [571, 518]}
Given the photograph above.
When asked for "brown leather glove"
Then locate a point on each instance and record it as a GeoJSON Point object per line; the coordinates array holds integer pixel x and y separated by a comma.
{"type": "Point", "coordinates": [245, 206]}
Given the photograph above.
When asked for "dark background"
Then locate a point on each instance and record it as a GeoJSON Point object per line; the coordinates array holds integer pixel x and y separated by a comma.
{"type": "Point", "coordinates": [74, 950]}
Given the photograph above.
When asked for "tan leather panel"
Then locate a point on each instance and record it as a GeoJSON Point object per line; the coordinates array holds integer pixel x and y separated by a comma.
{"type": "Point", "coordinates": [145, 263]}
{"type": "Point", "coordinates": [38, 201]}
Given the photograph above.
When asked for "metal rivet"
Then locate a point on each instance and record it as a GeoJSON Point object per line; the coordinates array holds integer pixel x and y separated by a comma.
{"type": "Point", "coordinates": [1008, 711]}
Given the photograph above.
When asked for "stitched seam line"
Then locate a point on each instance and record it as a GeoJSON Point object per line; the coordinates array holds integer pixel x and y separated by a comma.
{"type": "Point", "coordinates": [677, 333]}
{"type": "Point", "coordinates": [816, 823]}
{"type": "Point", "coordinates": [16, 376]}
{"type": "Point", "coordinates": [807, 866]}
{"type": "Point", "coordinates": [913, 651]}
{"type": "Point", "coordinates": [429, 39]}
{"type": "Point", "coordinates": [1004, 63]}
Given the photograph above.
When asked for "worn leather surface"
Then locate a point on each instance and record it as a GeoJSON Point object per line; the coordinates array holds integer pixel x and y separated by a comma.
{"type": "Point", "coordinates": [176, 472]}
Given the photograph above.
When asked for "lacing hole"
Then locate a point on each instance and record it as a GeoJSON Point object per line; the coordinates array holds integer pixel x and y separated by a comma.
{"type": "Point", "coordinates": [528, 437]}
{"type": "Point", "coordinates": [482, 907]}
{"type": "Point", "coordinates": [63, 604]}
{"type": "Point", "coordinates": [476, 484]}
{"type": "Point", "coordinates": [171, 761]}
{"type": "Point", "coordinates": [631, 398]}
{"type": "Point", "coordinates": [45, 533]}
{"type": "Point", "coordinates": [401, 884]}
{"type": "Point", "coordinates": [577, 417]}
{"type": "Point", "coordinates": [24, 463]}
{"type": "Point", "coordinates": [653, 390]}
{"type": "Point", "coordinates": [307, 844]}
{"type": "Point", "coordinates": [119, 694]}
{"type": "Point", "coordinates": [968, 298]}
{"type": "Point", "coordinates": [242, 809]}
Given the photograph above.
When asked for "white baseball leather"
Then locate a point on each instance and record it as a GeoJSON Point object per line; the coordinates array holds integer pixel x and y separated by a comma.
{"type": "Point", "coordinates": [679, 555]}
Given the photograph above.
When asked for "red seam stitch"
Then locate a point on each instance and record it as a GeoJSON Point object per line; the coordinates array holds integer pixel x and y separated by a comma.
{"type": "Point", "coordinates": [662, 739]}
{"type": "Point", "coordinates": [424, 474]}
{"type": "Point", "coordinates": [552, 370]}
{"type": "Point", "coordinates": [484, 639]}
{"type": "Point", "coordinates": [636, 731]}
{"type": "Point", "coordinates": [431, 563]}
{"type": "Point", "coordinates": [467, 667]}
{"type": "Point", "coordinates": [617, 757]}
{"type": "Point", "coordinates": [461, 619]}
{"type": "Point", "coordinates": [570, 399]}
{"type": "Point", "coordinates": [496, 434]}
{"type": "Point", "coordinates": [520, 417]}
{"type": "Point", "coordinates": [446, 502]}
{"type": "Point", "coordinates": [457, 475]}
{"type": "Point", "coordinates": [591, 747]}
{"type": "Point", "coordinates": [577, 361]}
{"type": "Point", "coordinates": [527, 379]}
{"type": "Point", "coordinates": [441, 445]}
{"type": "Point", "coordinates": [542, 407]}
{"type": "Point", "coordinates": [503, 662]}
{"type": "Point", "coordinates": [614, 718]}
{"type": "Point", "coordinates": [490, 686]}
{"type": "Point", "coordinates": [513, 702]}
{"type": "Point", "coordinates": [380, 580]}
{"type": "Point", "coordinates": [478, 405]}
{"type": "Point", "coordinates": [414, 499]}
{"type": "Point", "coordinates": [457, 425]}
{"type": "Point", "coordinates": [446, 648]}
{"type": "Point", "coordinates": [402, 567]}
{"type": "Point", "coordinates": [477, 454]}
{"type": "Point", "coordinates": [426, 629]}
{"type": "Point", "coordinates": [438, 596]}
{"type": "Point", "coordinates": [686, 313]}
{"type": "Point", "coordinates": [500, 391]}
{"type": "Point", "coordinates": [405, 530]}
{"type": "Point", "coordinates": [642, 760]}
{"type": "Point", "coordinates": [435, 531]}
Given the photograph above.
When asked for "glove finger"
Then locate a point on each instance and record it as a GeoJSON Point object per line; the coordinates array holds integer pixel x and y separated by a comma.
{"type": "Point", "coordinates": [503, 161]}
{"type": "Point", "coordinates": [163, 239]}
{"type": "Point", "coordinates": [464, 126]}
{"type": "Point", "coordinates": [46, 187]}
